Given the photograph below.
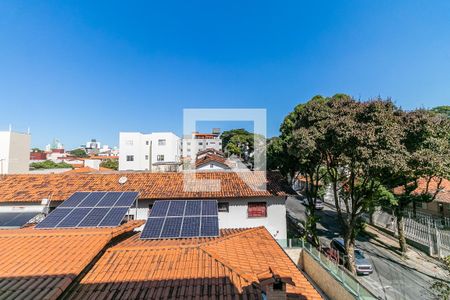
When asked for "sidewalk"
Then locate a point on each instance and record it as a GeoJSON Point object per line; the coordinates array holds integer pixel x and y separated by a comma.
{"type": "Point", "coordinates": [414, 258]}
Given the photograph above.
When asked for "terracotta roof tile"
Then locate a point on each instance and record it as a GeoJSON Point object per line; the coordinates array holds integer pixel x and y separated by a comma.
{"type": "Point", "coordinates": [38, 264]}
{"type": "Point", "coordinates": [442, 196]}
{"type": "Point", "coordinates": [58, 187]}
{"type": "Point", "coordinates": [223, 267]}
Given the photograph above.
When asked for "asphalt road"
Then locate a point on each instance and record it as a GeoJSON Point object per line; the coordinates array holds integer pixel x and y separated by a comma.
{"type": "Point", "coordinates": [392, 278]}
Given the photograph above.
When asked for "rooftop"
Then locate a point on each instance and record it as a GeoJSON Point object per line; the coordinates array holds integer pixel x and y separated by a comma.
{"type": "Point", "coordinates": [431, 187]}
{"type": "Point", "coordinates": [58, 187]}
{"type": "Point", "coordinates": [230, 266]}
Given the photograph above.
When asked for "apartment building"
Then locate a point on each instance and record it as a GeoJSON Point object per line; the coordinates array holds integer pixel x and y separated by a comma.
{"type": "Point", "coordinates": [197, 142]}
{"type": "Point", "coordinates": [157, 151]}
{"type": "Point", "coordinates": [14, 152]}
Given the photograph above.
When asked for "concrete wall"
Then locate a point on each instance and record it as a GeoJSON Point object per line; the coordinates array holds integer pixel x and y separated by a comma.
{"type": "Point", "coordinates": [324, 280]}
{"type": "Point", "coordinates": [275, 222]}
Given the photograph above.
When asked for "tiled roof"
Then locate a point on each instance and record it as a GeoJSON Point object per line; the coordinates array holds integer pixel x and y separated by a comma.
{"type": "Point", "coordinates": [89, 170]}
{"type": "Point", "coordinates": [442, 196]}
{"type": "Point", "coordinates": [209, 158]}
{"type": "Point", "coordinates": [40, 264]}
{"type": "Point", "coordinates": [228, 267]}
{"type": "Point", "coordinates": [58, 187]}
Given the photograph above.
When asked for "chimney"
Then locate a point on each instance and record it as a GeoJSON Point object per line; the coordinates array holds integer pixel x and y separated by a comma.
{"type": "Point", "coordinates": [273, 284]}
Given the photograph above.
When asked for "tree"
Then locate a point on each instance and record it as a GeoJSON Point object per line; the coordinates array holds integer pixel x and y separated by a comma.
{"type": "Point", "coordinates": [445, 110]}
{"type": "Point", "coordinates": [79, 153]}
{"type": "Point", "coordinates": [112, 164]}
{"type": "Point", "coordinates": [48, 164]}
{"type": "Point", "coordinates": [241, 143]}
{"type": "Point", "coordinates": [362, 141]}
{"type": "Point", "coordinates": [426, 161]}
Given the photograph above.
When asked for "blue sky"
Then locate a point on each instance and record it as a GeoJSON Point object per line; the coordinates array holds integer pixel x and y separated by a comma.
{"type": "Point", "coordinates": [77, 70]}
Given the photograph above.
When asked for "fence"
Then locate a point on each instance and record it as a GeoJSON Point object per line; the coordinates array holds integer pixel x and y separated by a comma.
{"type": "Point", "coordinates": [340, 274]}
{"type": "Point", "coordinates": [423, 218]}
{"type": "Point", "coordinates": [436, 240]}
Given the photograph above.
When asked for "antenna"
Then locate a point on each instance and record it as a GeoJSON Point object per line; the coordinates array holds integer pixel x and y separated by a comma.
{"type": "Point", "coordinates": [10, 127]}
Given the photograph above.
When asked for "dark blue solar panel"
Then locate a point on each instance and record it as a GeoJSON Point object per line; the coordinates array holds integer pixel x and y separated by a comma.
{"type": "Point", "coordinates": [172, 227]}
{"type": "Point", "coordinates": [159, 209]}
{"type": "Point", "coordinates": [16, 219]}
{"type": "Point", "coordinates": [152, 229]}
{"type": "Point", "coordinates": [92, 199]}
{"type": "Point", "coordinates": [127, 199]}
{"type": "Point", "coordinates": [74, 217]}
{"type": "Point", "coordinates": [114, 217]}
{"type": "Point", "coordinates": [74, 200]}
{"type": "Point", "coordinates": [191, 227]}
{"type": "Point", "coordinates": [109, 199]}
{"type": "Point", "coordinates": [54, 218]}
{"type": "Point", "coordinates": [209, 208]}
{"type": "Point", "coordinates": [94, 217]}
{"type": "Point", "coordinates": [209, 226]}
{"type": "Point", "coordinates": [193, 208]}
{"type": "Point", "coordinates": [176, 208]}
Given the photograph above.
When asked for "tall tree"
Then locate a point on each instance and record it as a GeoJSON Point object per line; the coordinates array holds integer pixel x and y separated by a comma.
{"type": "Point", "coordinates": [445, 110]}
{"type": "Point", "coordinates": [362, 141]}
{"type": "Point", "coordinates": [426, 158]}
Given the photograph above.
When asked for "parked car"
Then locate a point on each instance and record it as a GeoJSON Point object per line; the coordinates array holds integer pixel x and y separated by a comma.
{"type": "Point", "coordinates": [362, 264]}
{"type": "Point", "coordinates": [319, 203]}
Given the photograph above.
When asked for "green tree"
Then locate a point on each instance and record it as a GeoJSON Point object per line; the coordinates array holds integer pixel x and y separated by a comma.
{"type": "Point", "coordinates": [112, 164]}
{"type": "Point", "coordinates": [362, 141]}
{"type": "Point", "coordinates": [241, 143]}
{"type": "Point", "coordinates": [48, 164]}
{"type": "Point", "coordinates": [79, 153]}
{"type": "Point", "coordinates": [425, 161]}
{"type": "Point", "coordinates": [445, 110]}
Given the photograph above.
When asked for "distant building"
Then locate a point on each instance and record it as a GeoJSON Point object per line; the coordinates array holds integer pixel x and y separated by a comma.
{"type": "Point", "coordinates": [197, 142]}
{"type": "Point", "coordinates": [92, 147]}
{"type": "Point", "coordinates": [157, 151]}
{"type": "Point", "coordinates": [14, 152]}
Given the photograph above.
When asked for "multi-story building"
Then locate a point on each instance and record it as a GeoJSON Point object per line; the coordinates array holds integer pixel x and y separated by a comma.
{"type": "Point", "coordinates": [200, 141]}
{"type": "Point", "coordinates": [14, 152]}
{"type": "Point", "coordinates": [157, 151]}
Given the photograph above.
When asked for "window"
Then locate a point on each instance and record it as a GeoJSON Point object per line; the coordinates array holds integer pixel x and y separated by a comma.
{"type": "Point", "coordinates": [147, 142]}
{"type": "Point", "coordinates": [257, 209]}
{"type": "Point", "coordinates": [160, 157]}
{"type": "Point", "coordinates": [211, 166]}
{"type": "Point", "coordinates": [161, 142]}
{"type": "Point", "coordinates": [150, 207]}
{"type": "Point", "coordinates": [129, 142]}
{"type": "Point", "coordinates": [200, 143]}
{"type": "Point", "coordinates": [223, 207]}
{"type": "Point", "coordinates": [188, 150]}
{"type": "Point", "coordinates": [146, 157]}
{"type": "Point", "coordinates": [130, 157]}
{"type": "Point", "coordinates": [188, 143]}
{"type": "Point", "coordinates": [212, 143]}
{"type": "Point", "coordinates": [129, 217]}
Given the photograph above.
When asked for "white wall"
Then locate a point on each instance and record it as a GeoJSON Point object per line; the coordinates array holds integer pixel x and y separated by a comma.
{"type": "Point", "coordinates": [14, 152]}
{"type": "Point", "coordinates": [212, 166]}
{"type": "Point", "coordinates": [275, 222]}
{"type": "Point", "coordinates": [193, 145]}
{"type": "Point", "coordinates": [145, 148]}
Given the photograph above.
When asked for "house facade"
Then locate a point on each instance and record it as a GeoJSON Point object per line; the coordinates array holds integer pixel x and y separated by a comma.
{"type": "Point", "coordinates": [158, 151]}
{"type": "Point", "coordinates": [14, 152]}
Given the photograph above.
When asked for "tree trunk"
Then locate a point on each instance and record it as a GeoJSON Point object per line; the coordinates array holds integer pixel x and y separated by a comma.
{"type": "Point", "coordinates": [414, 209]}
{"type": "Point", "coordinates": [401, 233]}
{"type": "Point", "coordinates": [350, 250]}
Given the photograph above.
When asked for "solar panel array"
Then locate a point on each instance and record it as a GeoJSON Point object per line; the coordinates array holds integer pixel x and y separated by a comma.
{"type": "Point", "coordinates": [16, 219]}
{"type": "Point", "coordinates": [90, 209]}
{"type": "Point", "coordinates": [182, 219]}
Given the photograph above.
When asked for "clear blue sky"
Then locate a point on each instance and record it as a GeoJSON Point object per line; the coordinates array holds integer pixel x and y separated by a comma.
{"type": "Point", "coordinates": [77, 70]}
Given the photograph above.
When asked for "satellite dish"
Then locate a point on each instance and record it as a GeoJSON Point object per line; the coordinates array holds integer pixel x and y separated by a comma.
{"type": "Point", "coordinates": [123, 179]}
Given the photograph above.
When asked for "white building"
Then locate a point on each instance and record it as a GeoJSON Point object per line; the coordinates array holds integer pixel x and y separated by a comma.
{"type": "Point", "coordinates": [14, 152]}
{"type": "Point", "coordinates": [199, 142]}
{"type": "Point", "coordinates": [157, 151]}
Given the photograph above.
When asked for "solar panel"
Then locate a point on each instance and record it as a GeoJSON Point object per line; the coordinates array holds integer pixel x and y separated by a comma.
{"type": "Point", "coordinates": [74, 200]}
{"type": "Point", "coordinates": [176, 208]}
{"type": "Point", "coordinates": [182, 219]}
{"type": "Point", "coordinates": [159, 208]}
{"type": "Point", "coordinates": [90, 209]}
{"type": "Point", "coordinates": [126, 199]}
{"type": "Point", "coordinates": [74, 217]}
{"type": "Point", "coordinates": [54, 218]}
{"type": "Point", "coordinates": [16, 219]}
{"type": "Point", "coordinates": [113, 217]}
{"type": "Point", "coordinates": [92, 199]}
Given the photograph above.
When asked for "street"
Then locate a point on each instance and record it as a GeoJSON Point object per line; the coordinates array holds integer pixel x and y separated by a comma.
{"type": "Point", "coordinates": [393, 278]}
